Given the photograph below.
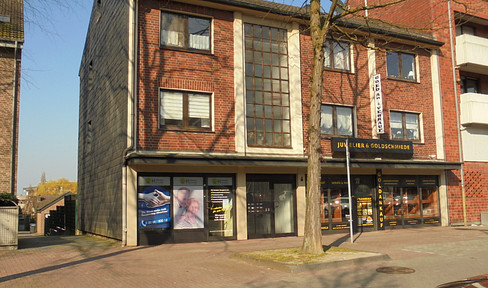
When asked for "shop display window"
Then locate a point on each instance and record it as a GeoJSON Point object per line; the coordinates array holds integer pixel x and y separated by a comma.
{"type": "Point", "coordinates": [430, 206]}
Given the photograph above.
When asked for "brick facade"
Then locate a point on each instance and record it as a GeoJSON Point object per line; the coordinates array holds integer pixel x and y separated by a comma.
{"type": "Point", "coordinates": [105, 130]}
{"type": "Point", "coordinates": [433, 17]}
{"type": "Point", "coordinates": [9, 132]}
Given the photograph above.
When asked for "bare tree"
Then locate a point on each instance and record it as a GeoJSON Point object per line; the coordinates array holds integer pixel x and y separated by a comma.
{"type": "Point", "coordinates": [321, 26]}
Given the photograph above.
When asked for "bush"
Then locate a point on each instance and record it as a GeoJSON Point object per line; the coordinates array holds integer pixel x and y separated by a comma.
{"type": "Point", "coordinates": [6, 199]}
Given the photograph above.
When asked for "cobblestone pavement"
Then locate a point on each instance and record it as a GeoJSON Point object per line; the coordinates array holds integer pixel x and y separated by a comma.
{"type": "Point", "coordinates": [436, 255]}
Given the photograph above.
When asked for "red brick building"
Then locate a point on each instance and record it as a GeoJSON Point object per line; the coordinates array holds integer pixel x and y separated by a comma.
{"type": "Point", "coordinates": [463, 27]}
{"type": "Point", "coordinates": [194, 119]}
{"type": "Point", "coordinates": [11, 41]}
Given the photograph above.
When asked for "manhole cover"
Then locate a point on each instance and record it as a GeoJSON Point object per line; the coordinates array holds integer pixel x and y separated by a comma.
{"type": "Point", "coordinates": [395, 270]}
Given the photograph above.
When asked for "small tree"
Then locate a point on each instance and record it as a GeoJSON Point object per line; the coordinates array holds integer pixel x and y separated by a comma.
{"type": "Point", "coordinates": [8, 199]}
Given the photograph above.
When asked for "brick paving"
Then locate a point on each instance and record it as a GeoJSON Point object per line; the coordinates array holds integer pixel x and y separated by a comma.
{"type": "Point", "coordinates": [86, 261]}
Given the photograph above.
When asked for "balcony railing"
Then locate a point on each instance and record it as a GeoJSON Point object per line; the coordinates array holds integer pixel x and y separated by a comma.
{"type": "Point", "coordinates": [471, 53]}
{"type": "Point", "coordinates": [474, 109]}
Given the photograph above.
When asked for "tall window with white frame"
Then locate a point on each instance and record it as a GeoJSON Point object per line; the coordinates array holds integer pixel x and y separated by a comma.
{"type": "Point", "coordinates": [337, 120]}
{"type": "Point", "coordinates": [185, 31]}
{"type": "Point", "coordinates": [404, 125]}
{"type": "Point", "coordinates": [337, 56]}
{"type": "Point", "coordinates": [185, 110]}
{"type": "Point", "coordinates": [267, 87]}
{"type": "Point", "coordinates": [401, 65]}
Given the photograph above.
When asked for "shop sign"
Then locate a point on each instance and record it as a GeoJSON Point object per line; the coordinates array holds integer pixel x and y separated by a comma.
{"type": "Point", "coordinates": [381, 213]}
{"type": "Point", "coordinates": [154, 181]}
{"type": "Point", "coordinates": [219, 181]}
{"type": "Point", "coordinates": [373, 147]}
{"type": "Point", "coordinates": [378, 100]}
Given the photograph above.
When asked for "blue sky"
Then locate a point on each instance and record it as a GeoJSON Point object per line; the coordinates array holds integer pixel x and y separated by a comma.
{"type": "Point", "coordinates": [48, 133]}
{"type": "Point", "coordinates": [48, 129]}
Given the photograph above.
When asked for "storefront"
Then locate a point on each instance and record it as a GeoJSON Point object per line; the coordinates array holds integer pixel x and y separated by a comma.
{"type": "Point", "coordinates": [185, 208]}
{"type": "Point", "coordinates": [199, 207]}
{"type": "Point", "coordinates": [379, 202]}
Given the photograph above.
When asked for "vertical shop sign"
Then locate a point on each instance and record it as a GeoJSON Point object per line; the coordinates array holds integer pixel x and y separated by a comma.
{"type": "Point", "coordinates": [378, 100]}
{"type": "Point", "coordinates": [188, 202]}
{"type": "Point", "coordinates": [381, 214]}
{"type": "Point", "coordinates": [154, 202]}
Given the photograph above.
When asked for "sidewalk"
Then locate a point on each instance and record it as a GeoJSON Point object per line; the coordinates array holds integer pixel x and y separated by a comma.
{"type": "Point", "coordinates": [436, 255]}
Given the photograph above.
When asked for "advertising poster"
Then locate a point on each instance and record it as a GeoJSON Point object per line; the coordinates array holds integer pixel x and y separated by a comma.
{"type": "Point", "coordinates": [154, 202]}
{"type": "Point", "coordinates": [220, 206]}
{"type": "Point", "coordinates": [188, 200]}
{"type": "Point", "coordinates": [365, 211]}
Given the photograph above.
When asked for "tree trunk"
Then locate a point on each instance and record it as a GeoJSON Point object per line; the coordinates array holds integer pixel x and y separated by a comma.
{"type": "Point", "coordinates": [312, 241]}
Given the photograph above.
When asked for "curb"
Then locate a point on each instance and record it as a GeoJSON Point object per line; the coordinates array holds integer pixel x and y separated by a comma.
{"type": "Point", "coordinates": [361, 258]}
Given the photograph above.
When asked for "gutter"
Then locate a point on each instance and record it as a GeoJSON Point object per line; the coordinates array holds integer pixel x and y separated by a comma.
{"type": "Point", "coordinates": [458, 126]}
{"type": "Point", "coordinates": [131, 110]}
{"type": "Point", "coordinates": [14, 124]}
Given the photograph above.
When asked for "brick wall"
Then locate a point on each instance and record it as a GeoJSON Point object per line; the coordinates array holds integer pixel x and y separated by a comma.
{"type": "Point", "coordinates": [353, 89]}
{"type": "Point", "coordinates": [178, 69]}
{"type": "Point", "coordinates": [6, 116]}
{"type": "Point", "coordinates": [476, 192]}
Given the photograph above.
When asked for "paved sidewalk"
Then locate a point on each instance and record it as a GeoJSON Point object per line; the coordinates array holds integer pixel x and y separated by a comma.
{"type": "Point", "coordinates": [437, 255]}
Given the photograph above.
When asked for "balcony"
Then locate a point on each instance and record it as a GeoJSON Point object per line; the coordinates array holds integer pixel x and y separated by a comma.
{"type": "Point", "coordinates": [473, 109]}
{"type": "Point", "coordinates": [471, 53]}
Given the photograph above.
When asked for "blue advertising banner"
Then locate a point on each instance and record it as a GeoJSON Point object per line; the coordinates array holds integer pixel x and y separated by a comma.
{"type": "Point", "coordinates": [154, 208]}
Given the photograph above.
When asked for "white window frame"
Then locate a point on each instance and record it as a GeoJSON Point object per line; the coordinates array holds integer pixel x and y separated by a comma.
{"type": "Point", "coordinates": [404, 124]}
{"type": "Point", "coordinates": [186, 110]}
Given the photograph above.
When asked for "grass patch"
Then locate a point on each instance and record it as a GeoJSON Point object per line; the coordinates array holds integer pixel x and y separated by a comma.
{"type": "Point", "coordinates": [293, 256]}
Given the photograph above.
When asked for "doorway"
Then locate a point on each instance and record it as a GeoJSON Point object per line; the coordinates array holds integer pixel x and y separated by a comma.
{"type": "Point", "coordinates": [271, 205]}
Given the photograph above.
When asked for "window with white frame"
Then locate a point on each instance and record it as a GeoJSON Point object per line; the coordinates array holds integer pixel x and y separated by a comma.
{"type": "Point", "coordinates": [337, 120]}
{"type": "Point", "coordinates": [337, 56]}
{"type": "Point", "coordinates": [184, 31]}
{"type": "Point", "coordinates": [401, 65]}
{"type": "Point", "coordinates": [404, 125]}
{"type": "Point", "coordinates": [185, 110]}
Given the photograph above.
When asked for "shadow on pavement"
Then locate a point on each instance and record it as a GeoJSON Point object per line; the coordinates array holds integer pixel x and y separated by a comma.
{"type": "Point", "coordinates": [58, 240]}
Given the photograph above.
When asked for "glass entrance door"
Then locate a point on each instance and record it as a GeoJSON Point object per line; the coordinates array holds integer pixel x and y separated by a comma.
{"type": "Point", "coordinates": [335, 204]}
{"type": "Point", "coordinates": [270, 205]}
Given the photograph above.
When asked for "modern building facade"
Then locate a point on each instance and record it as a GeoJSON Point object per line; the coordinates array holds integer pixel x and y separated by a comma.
{"type": "Point", "coordinates": [463, 27]}
{"type": "Point", "coordinates": [11, 41]}
{"type": "Point", "coordinates": [194, 119]}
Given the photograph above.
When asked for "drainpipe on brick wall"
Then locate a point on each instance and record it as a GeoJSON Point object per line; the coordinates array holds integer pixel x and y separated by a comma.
{"type": "Point", "coordinates": [131, 109]}
{"type": "Point", "coordinates": [460, 145]}
{"type": "Point", "coordinates": [14, 123]}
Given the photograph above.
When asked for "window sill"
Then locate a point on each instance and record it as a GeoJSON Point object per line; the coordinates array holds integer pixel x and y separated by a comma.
{"type": "Point", "coordinates": [328, 69]}
{"type": "Point", "coordinates": [193, 51]}
{"type": "Point", "coordinates": [269, 147]}
{"type": "Point", "coordinates": [329, 136]}
{"type": "Point", "coordinates": [414, 81]}
{"type": "Point", "coordinates": [176, 129]}
{"type": "Point", "coordinates": [416, 142]}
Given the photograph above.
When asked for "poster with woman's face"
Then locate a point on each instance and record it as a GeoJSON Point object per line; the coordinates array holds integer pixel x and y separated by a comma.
{"type": "Point", "coordinates": [188, 203]}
